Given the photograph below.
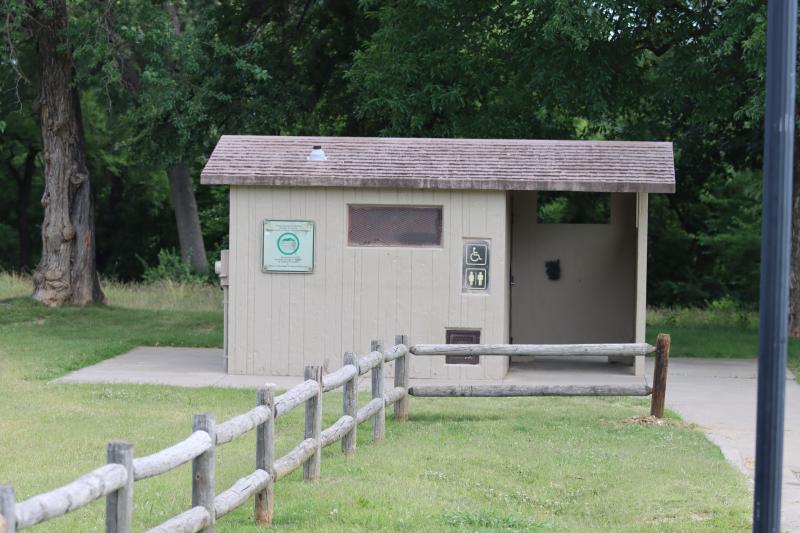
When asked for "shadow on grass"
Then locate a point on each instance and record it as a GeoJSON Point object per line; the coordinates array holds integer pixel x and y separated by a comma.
{"type": "Point", "coordinates": [431, 418]}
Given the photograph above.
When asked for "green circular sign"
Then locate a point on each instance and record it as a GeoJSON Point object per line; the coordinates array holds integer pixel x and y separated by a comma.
{"type": "Point", "coordinates": [288, 243]}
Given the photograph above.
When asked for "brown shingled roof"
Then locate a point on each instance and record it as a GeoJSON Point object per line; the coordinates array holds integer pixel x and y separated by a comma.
{"type": "Point", "coordinates": [412, 163]}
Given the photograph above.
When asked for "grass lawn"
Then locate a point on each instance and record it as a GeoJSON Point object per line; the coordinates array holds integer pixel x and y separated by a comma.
{"type": "Point", "coordinates": [713, 333]}
{"type": "Point", "coordinates": [521, 464]}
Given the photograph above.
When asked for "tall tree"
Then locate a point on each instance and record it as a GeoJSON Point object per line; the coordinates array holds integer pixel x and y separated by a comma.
{"type": "Point", "coordinates": [184, 72]}
{"type": "Point", "coordinates": [187, 218]}
{"type": "Point", "coordinates": [66, 271]}
{"type": "Point", "coordinates": [688, 72]}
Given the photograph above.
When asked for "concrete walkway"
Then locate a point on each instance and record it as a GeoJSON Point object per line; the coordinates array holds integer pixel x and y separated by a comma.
{"type": "Point", "coordinates": [182, 367]}
{"type": "Point", "coordinates": [719, 395]}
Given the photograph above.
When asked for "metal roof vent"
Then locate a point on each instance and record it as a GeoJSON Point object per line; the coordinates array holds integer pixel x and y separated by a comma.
{"type": "Point", "coordinates": [317, 154]}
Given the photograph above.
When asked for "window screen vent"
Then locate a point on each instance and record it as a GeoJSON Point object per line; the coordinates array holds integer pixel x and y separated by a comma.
{"type": "Point", "coordinates": [383, 225]}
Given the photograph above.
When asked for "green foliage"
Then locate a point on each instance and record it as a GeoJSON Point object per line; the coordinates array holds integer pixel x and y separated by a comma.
{"type": "Point", "coordinates": [720, 258]}
{"type": "Point", "coordinates": [708, 99]}
{"type": "Point", "coordinates": [684, 72]}
{"type": "Point", "coordinates": [155, 93]}
{"type": "Point", "coordinates": [573, 208]}
{"type": "Point", "coordinates": [166, 295]}
{"type": "Point", "coordinates": [723, 313]}
{"type": "Point", "coordinates": [214, 219]}
{"type": "Point", "coordinates": [722, 329]}
{"type": "Point", "coordinates": [728, 311]}
{"type": "Point", "coordinates": [734, 234]}
{"type": "Point", "coordinates": [170, 267]}
{"type": "Point", "coordinates": [19, 138]}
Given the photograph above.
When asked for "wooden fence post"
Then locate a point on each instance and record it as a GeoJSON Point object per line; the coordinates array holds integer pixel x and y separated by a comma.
{"type": "Point", "coordinates": [660, 376]}
{"type": "Point", "coordinates": [265, 455]}
{"type": "Point", "coordinates": [350, 405]}
{"type": "Point", "coordinates": [8, 517]}
{"type": "Point", "coordinates": [119, 504]}
{"type": "Point", "coordinates": [401, 371]}
{"type": "Point", "coordinates": [379, 418]}
{"type": "Point", "coordinates": [203, 475]}
{"type": "Point", "coordinates": [311, 468]}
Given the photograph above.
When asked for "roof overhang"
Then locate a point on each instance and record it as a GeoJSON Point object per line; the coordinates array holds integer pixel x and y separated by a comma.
{"type": "Point", "coordinates": [467, 164]}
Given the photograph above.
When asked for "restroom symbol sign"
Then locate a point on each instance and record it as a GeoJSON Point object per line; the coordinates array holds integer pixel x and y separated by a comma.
{"type": "Point", "coordinates": [476, 254]}
{"type": "Point", "coordinates": [475, 266]}
{"type": "Point", "coordinates": [477, 278]}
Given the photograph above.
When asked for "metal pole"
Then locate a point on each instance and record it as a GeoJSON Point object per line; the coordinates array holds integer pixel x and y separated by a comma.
{"type": "Point", "coordinates": [776, 229]}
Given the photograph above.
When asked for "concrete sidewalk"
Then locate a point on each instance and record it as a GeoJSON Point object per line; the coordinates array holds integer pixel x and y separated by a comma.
{"type": "Point", "coordinates": [203, 367]}
{"type": "Point", "coordinates": [719, 395]}
{"type": "Point", "coordinates": [182, 367]}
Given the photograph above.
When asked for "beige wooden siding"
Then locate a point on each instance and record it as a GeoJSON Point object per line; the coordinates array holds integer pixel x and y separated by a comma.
{"type": "Point", "coordinates": [595, 299]}
{"type": "Point", "coordinates": [281, 322]}
{"type": "Point", "coordinates": [641, 275]}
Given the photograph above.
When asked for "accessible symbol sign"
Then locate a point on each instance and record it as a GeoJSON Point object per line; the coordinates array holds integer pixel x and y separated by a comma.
{"type": "Point", "coordinates": [475, 266]}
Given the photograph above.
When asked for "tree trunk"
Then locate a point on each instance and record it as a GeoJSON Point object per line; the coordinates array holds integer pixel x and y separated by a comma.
{"type": "Point", "coordinates": [66, 272]}
{"type": "Point", "coordinates": [190, 235]}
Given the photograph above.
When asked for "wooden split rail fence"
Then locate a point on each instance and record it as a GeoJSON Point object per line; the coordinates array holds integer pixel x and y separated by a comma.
{"type": "Point", "coordinates": [657, 391]}
{"type": "Point", "coordinates": [115, 480]}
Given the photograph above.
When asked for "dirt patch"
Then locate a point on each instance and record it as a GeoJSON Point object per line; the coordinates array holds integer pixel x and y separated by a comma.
{"type": "Point", "coordinates": [652, 421]}
{"type": "Point", "coordinates": [667, 519]}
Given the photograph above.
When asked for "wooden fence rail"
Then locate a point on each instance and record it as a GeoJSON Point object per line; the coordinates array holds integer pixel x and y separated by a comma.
{"type": "Point", "coordinates": [494, 391]}
{"type": "Point", "coordinates": [115, 480]}
{"type": "Point", "coordinates": [629, 349]}
{"type": "Point", "coordinates": [657, 392]}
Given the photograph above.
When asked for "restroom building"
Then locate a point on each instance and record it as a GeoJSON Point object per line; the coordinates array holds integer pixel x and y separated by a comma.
{"type": "Point", "coordinates": [336, 241]}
